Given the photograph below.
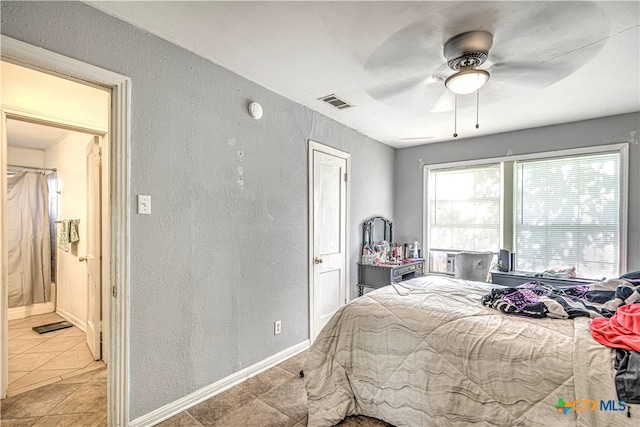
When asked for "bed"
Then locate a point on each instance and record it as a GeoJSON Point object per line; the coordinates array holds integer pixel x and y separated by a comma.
{"type": "Point", "coordinates": [426, 352]}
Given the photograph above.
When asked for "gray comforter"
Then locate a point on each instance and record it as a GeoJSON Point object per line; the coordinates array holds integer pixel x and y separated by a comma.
{"type": "Point", "coordinates": [427, 353]}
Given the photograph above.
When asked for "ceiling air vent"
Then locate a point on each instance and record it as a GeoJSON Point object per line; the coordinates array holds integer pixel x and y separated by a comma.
{"type": "Point", "coordinates": [340, 104]}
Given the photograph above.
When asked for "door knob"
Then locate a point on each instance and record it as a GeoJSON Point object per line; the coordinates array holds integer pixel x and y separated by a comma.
{"type": "Point", "coordinates": [317, 260]}
{"type": "Point", "coordinates": [82, 258]}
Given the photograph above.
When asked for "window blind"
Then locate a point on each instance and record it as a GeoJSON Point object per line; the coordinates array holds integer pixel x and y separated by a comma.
{"type": "Point", "coordinates": [567, 214]}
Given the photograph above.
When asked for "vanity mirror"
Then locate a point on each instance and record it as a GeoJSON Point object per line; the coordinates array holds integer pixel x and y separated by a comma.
{"type": "Point", "coordinates": [377, 229]}
{"type": "Point", "coordinates": [379, 267]}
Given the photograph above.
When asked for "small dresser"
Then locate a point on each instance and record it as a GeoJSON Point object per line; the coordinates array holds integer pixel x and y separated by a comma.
{"type": "Point", "coordinates": [377, 276]}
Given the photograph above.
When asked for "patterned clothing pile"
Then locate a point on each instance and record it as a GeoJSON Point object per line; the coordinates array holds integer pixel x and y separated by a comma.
{"type": "Point", "coordinates": [613, 304]}
{"type": "Point", "coordinates": [536, 299]}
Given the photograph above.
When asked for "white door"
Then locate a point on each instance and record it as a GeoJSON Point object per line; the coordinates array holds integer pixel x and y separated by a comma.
{"type": "Point", "coordinates": [328, 246]}
{"type": "Point", "coordinates": [93, 257]}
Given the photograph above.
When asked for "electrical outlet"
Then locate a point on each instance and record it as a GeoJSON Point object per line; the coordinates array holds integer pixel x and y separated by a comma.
{"type": "Point", "coordinates": [277, 327]}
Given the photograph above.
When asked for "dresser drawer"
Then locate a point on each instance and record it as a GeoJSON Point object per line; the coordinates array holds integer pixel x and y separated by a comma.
{"type": "Point", "coordinates": [401, 271]}
{"type": "Point", "coordinates": [375, 276]}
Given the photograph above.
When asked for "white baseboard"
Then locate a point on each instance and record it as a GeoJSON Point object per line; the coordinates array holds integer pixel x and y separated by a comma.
{"type": "Point", "coordinates": [180, 405]}
{"type": "Point", "coordinates": [73, 319]}
{"type": "Point", "coordinates": [14, 313]}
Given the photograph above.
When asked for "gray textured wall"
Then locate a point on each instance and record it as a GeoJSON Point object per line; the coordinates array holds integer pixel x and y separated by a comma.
{"type": "Point", "coordinates": [217, 262]}
{"type": "Point", "coordinates": [409, 161]}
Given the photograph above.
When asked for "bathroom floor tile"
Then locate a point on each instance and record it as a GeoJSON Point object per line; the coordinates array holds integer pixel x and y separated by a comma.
{"type": "Point", "coordinates": [41, 319]}
{"type": "Point", "coordinates": [31, 361]}
{"type": "Point", "coordinates": [37, 360]}
{"type": "Point", "coordinates": [80, 346]}
{"type": "Point", "coordinates": [15, 322]}
{"type": "Point", "coordinates": [13, 376]}
{"type": "Point", "coordinates": [21, 346]}
{"type": "Point", "coordinates": [69, 360]}
{"type": "Point", "coordinates": [20, 422]}
{"type": "Point", "coordinates": [58, 343]}
{"type": "Point", "coordinates": [69, 332]}
{"type": "Point", "coordinates": [52, 334]}
{"type": "Point", "coordinates": [23, 333]}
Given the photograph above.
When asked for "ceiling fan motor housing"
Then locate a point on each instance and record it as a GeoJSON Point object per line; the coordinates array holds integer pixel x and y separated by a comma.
{"type": "Point", "coordinates": [468, 49]}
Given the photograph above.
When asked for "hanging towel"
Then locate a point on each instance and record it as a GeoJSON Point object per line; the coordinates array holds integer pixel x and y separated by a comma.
{"type": "Point", "coordinates": [63, 235]}
{"type": "Point", "coordinates": [73, 231]}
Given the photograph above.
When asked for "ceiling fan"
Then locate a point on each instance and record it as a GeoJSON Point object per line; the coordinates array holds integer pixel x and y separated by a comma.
{"type": "Point", "coordinates": [464, 53]}
{"type": "Point", "coordinates": [414, 69]}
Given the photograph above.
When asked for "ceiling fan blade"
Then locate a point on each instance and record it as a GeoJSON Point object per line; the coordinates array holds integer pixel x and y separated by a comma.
{"type": "Point", "coordinates": [543, 73]}
{"type": "Point", "coordinates": [411, 50]}
{"type": "Point", "coordinates": [557, 42]}
{"type": "Point", "coordinates": [526, 75]}
{"type": "Point", "coordinates": [395, 88]}
{"type": "Point", "coordinates": [418, 94]}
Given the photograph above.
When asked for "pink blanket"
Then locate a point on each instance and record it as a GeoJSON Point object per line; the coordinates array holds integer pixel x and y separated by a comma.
{"type": "Point", "coordinates": [620, 331]}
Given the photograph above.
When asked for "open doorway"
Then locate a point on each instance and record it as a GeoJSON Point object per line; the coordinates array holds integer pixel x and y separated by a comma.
{"type": "Point", "coordinates": [55, 264]}
{"type": "Point", "coordinates": [111, 136]}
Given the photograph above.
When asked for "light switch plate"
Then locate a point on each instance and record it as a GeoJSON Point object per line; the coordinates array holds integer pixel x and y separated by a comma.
{"type": "Point", "coordinates": [144, 205]}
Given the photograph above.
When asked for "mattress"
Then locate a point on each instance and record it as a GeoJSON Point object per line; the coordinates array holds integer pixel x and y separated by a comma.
{"type": "Point", "coordinates": [427, 352]}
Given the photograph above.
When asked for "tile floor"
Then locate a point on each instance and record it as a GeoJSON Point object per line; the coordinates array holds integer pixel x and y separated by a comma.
{"type": "Point", "coordinates": [78, 401]}
{"type": "Point", "coordinates": [275, 397]}
{"type": "Point", "coordinates": [36, 359]}
{"type": "Point", "coordinates": [53, 379]}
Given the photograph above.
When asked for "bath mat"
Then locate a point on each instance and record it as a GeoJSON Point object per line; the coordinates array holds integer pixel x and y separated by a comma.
{"type": "Point", "coordinates": [50, 327]}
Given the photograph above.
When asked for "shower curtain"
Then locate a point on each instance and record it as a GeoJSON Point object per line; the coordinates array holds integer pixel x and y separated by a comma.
{"type": "Point", "coordinates": [28, 238]}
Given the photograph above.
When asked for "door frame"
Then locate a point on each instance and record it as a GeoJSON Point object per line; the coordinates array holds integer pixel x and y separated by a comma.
{"type": "Point", "coordinates": [39, 59]}
{"type": "Point", "coordinates": [313, 147]}
{"type": "Point", "coordinates": [96, 233]}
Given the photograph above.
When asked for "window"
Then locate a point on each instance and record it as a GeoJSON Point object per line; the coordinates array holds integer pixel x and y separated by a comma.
{"type": "Point", "coordinates": [555, 212]}
{"type": "Point", "coordinates": [464, 212]}
{"type": "Point", "coordinates": [567, 213]}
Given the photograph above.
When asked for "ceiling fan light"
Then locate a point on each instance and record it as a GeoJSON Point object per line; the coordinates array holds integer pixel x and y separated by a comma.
{"type": "Point", "coordinates": [467, 80]}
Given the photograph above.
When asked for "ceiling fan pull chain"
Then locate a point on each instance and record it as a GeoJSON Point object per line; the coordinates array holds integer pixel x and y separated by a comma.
{"type": "Point", "coordinates": [477, 108]}
{"type": "Point", "coordinates": [455, 117]}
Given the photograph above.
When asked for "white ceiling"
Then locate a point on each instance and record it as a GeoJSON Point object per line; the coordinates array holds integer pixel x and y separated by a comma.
{"type": "Point", "coordinates": [551, 62]}
{"type": "Point", "coordinates": [31, 135]}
